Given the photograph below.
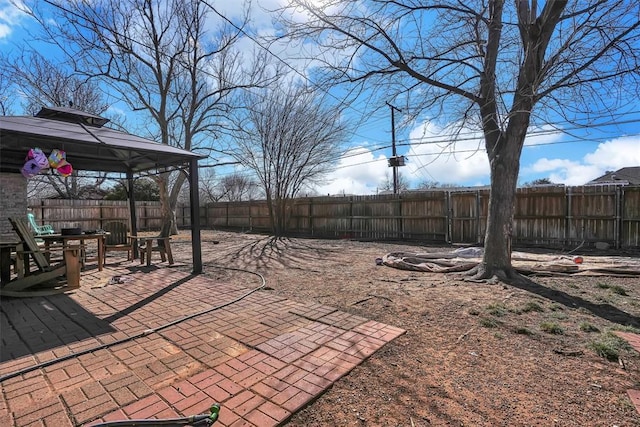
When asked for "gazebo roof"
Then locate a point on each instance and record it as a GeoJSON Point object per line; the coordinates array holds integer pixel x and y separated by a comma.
{"type": "Point", "coordinates": [88, 145]}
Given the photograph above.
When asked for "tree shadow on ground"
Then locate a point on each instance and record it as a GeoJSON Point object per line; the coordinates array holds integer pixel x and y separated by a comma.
{"type": "Point", "coordinates": [604, 311]}
{"type": "Point", "coordinates": [272, 251]}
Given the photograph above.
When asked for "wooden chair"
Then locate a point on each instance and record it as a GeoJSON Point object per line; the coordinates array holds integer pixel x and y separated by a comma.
{"type": "Point", "coordinates": [118, 239]}
{"type": "Point", "coordinates": [39, 230]}
{"type": "Point", "coordinates": [28, 248]}
{"type": "Point", "coordinates": [163, 246]}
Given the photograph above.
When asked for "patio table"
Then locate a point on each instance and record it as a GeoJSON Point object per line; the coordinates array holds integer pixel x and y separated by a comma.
{"type": "Point", "coordinates": [65, 238]}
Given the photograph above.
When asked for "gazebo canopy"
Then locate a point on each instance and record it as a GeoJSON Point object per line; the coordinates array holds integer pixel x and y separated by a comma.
{"type": "Point", "coordinates": [91, 146]}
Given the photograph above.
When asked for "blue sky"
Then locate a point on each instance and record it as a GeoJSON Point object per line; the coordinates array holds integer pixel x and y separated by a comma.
{"type": "Point", "coordinates": [569, 159]}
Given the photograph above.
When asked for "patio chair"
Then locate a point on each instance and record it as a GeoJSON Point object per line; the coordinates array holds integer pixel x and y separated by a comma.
{"type": "Point", "coordinates": [163, 246]}
{"type": "Point", "coordinates": [118, 239]}
{"type": "Point", "coordinates": [21, 286]}
{"type": "Point", "coordinates": [39, 230]}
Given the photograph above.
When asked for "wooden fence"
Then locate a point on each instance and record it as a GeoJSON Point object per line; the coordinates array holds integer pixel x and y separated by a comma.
{"type": "Point", "coordinates": [552, 216]}
{"type": "Point", "coordinates": [93, 214]}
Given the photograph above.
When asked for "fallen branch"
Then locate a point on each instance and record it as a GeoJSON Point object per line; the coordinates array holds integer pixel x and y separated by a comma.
{"type": "Point", "coordinates": [463, 336]}
{"type": "Point", "coordinates": [371, 296]}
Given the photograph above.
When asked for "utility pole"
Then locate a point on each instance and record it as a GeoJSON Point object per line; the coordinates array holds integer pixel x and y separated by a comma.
{"type": "Point", "coordinates": [393, 162]}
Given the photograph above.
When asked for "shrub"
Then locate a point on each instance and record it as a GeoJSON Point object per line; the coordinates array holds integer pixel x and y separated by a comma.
{"type": "Point", "coordinates": [609, 345]}
{"type": "Point", "coordinates": [497, 309]}
{"type": "Point", "coordinates": [523, 331]}
{"type": "Point", "coordinates": [488, 323]}
{"type": "Point", "coordinates": [588, 327]}
{"type": "Point", "coordinates": [551, 328]}
{"type": "Point", "coordinates": [532, 306]}
{"type": "Point", "coordinates": [618, 290]}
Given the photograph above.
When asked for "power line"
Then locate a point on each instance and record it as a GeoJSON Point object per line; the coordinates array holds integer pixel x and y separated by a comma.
{"type": "Point", "coordinates": [416, 141]}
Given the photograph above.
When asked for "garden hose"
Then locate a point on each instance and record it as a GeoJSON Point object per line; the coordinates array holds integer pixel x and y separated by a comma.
{"type": "Point", "coordinates": [194, 420]}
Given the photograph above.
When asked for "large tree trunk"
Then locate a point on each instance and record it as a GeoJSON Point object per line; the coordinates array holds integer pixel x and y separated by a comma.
{"type": "Point", "coordinates": [497, 241]}
{"type": "Point", "coordinates": [504, 161]}
{"type": "Point", "coordinates": [166, 213]}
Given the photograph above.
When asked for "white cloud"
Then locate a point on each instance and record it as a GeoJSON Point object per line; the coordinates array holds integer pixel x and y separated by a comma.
{"type": "Point", "coordinates": [617, 153]}
{"type": "Point", "coordinates": [608, 156]}
{"type": "Point", "coordinates": [359, 171]}
{"type": "Point", "coordinates": [433, 157]}
{"type": "Point", "coordinates": [10, 16]}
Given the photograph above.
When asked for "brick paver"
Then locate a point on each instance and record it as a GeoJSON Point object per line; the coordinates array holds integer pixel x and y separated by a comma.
{"type": "Point", "coordinates": [262, 358]}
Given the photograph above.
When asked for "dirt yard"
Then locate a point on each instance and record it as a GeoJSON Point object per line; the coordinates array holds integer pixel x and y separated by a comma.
{"type": "Point", "coordinates": [474, 354]}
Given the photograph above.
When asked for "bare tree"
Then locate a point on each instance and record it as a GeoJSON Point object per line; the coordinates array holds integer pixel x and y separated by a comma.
{"type": "Point", "coordinates": [430, 185]}
{"type": "Point", "coordinates": [489, 64]}
{"type": "Point", "coordinates": [539, 181]}
{"type": "Point", "coordinates": [207, 186]}
{"type": "Point", "coordinates": [289, 139]}
{"type": "Point", "coordinates": [7, 94]}
{"type": "Point", "coordinates": [387, 183]}
{"type": "Point", "coordinates": [237, 187]}
{"type": "Point", "coordinates": [165, 61]}
{"type": "Point", "coordinates": [44, 83]}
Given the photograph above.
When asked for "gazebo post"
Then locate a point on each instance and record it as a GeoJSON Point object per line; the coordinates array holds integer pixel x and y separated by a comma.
{"type": "Point", "coordinates": [194, 193]}
{"type": "Point", "coordinates": [132, 212]}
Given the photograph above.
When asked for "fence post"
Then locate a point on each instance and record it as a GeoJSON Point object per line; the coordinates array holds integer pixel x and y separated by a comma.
{"type": "Point", "coordinates": [479, 238]}
{"type": "Point", "coordinates": [350, 217]}
{"type": "Point", "coordinates": [448, 217]}
{"type": "Point", "coordinates": [400, 218]}
{"type": "Point", "coordinates": [618, 222]}
{"type": "Point", "coordinates": [311, 215]}
{"type": "Point", "coordinates": [101, 215]}
{"type": "Point", "coordinates": [567, 231]}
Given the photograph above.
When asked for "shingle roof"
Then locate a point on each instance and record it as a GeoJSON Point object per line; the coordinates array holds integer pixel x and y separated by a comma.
{"type": "Point", "coordinates": [628, 175]}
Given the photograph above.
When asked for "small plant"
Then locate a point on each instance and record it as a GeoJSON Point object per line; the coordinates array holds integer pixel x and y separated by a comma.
{"type": "Point", "coordinates": [609, 345]}
{"type": "Point", "coordinates": [523, 331]}
{"type": "Point", "coordinates": [560, 316]}
{"type": "Point", "coordinates": [497, 309]}
{"type": "Point", "coordinates": [618, 290]}
{"type": "Point", "coordinates": [602, 285]}
{"type": "Point", "coordinates": [488, 323]}
{"type": "Point", "coordinates": [532, 306]}
{"type": "Point", "coordinates": [474, 312]}
{"type": "Point", "coordinates": [584, 310]}
{"type": "Point", "coordinates": [588, 327]}
{"type": "Point", "coordinates": [556, 307]}
{"type": "Point", "coordinates": [551, 328]}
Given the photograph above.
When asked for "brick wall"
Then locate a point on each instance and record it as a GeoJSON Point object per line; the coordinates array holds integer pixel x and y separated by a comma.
{"type": "Point", "coordinates": [13, 201]}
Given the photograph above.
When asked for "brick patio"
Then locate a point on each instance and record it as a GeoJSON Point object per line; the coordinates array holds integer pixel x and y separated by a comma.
{"type": "Point", "coordinates": [634, 341]}
{"type": "Point", "coordinates": [263, 357]}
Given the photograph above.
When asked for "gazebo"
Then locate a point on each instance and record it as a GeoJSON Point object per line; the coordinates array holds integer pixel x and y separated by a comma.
{"type": "Point", "coordinates": [91, 146]}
